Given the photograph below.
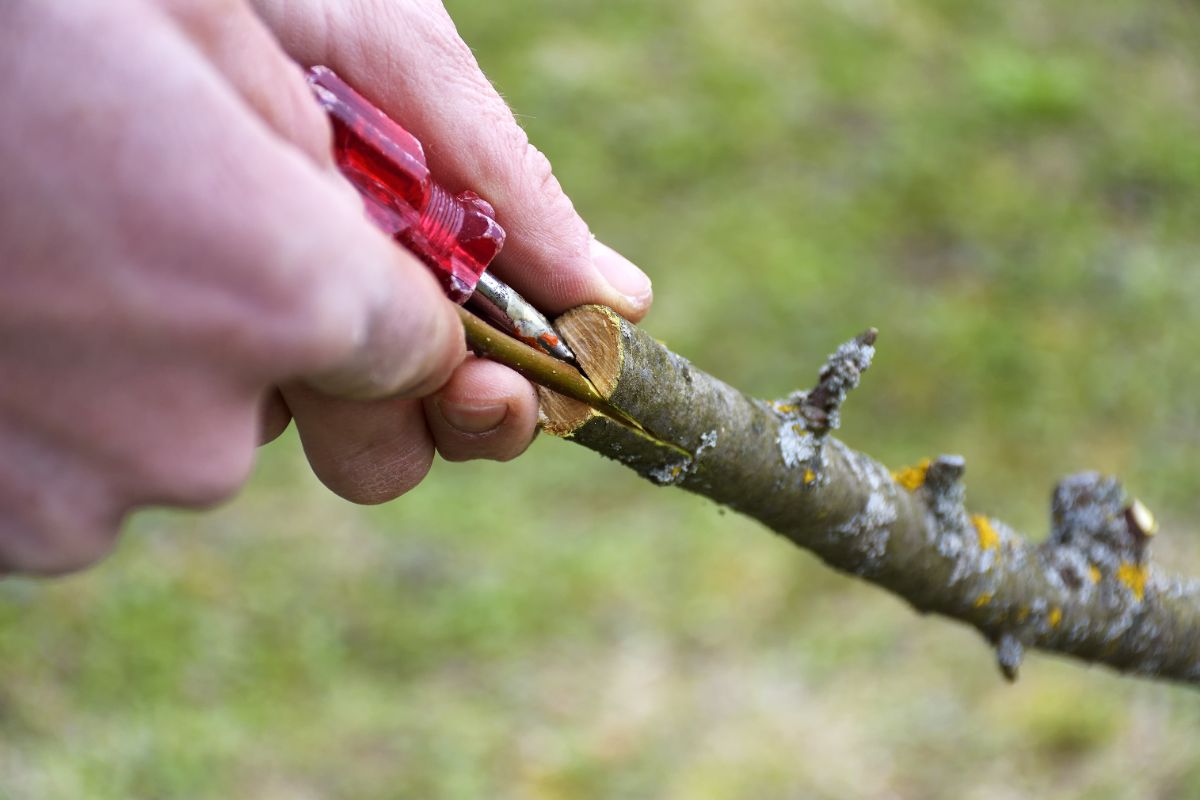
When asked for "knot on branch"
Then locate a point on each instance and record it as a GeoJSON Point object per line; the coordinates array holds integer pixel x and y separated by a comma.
{"type": "Point", "coordinates": [940, 481]}
{"type": "Point", "coordinates": [946, 492]}
{"type": "Point", "coordinates": [809, 416]}
{"type": "Point", "coordinates": [1098, 534]}
{"type": "Point", "coordinates": [820, 408]}
{"type": "Point", "coordinates": [1010, 652]}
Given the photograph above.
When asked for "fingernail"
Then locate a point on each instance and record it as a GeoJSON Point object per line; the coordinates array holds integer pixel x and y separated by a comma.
{"type": "Point", "coordinates": [622, 274]}
{"type": "Point", "coordinates": [472, 419]}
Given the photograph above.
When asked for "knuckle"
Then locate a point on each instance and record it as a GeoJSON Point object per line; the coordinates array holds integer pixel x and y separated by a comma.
{"type": "Point", "coordinates": [210, 481]}
{"type": "Point", "coordinates": [397, 354]}
{"type": "Point", "coordinates": [53, 540]}
{"type": "Point", "coordinates": [530, 170]}
{"type": "Point", "coordinates": [436, 363]}
{"type": "Point", "coordinates": [282, 308]}
{"type": "Point", "coordinates": [437, 28]}
{"type": "Point", "coordinates": [206, 22]}
{"type": "Point", "coordinates": [540, 172]}
{"type": "Point", "coordinates": [315, 316]}
{"type": "Point", "coordinates": [556, 224]}
{"type": "Point", "coordinates": [327, 332]}
{"type": "Point", "coordinates": [201, 467]}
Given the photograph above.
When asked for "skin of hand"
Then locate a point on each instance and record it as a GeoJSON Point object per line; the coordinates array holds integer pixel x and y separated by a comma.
{"type": "Point", "coordinates": [182, 270]}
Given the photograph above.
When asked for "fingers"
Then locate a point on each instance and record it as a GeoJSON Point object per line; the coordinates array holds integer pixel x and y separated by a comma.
{"type": "Point", "coordinates": [399, 335]}
{"type": "Point", "coordinates": [55, 545]}
{"type": "Point", "coordinates": [367, 452]}
{"type": "Point", "coordinates": [56, 515]}
{"type": "Point", "coordinates": [274, 417]}
{"type": "Point", "coordinates": [170, 257]}
{"type": "Point", "coordinates": [485, 411]}
{"type": "Point", "coordinates": [408, 58]}
{"type": "Point", "coordinates": [372, 452]}
{"type": "Point", "coordinates": [410, 345]}
{"type": "Point", "coordinates": [331, 298]}
{"type": "Point", "coordinates": [353, 313]}
{"type": "Point", "coordinates": [243, 50]}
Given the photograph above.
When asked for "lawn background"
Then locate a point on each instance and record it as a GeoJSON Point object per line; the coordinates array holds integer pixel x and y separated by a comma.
{"type": "Point", "coordinates": [1008, 191]}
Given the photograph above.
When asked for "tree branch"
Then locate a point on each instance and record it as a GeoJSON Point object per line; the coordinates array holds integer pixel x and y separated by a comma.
{"type": "Point", "coordinates": [1090, 591]}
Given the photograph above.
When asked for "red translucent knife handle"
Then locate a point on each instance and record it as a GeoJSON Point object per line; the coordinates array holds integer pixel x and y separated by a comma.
{"type": "Point", "coordinates": [457, 236]}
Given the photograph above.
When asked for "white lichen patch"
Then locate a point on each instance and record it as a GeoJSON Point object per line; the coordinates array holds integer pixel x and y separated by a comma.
{"type": "Point", "coordinates": [949, 542]}
{"type": "Point", "coordinates": [796, 445]}
{"type": "Point", "coordinates": [1121, 624]}
{"type": "Point", "coordinates": [978, 548]}
{"type": "Point", "coordinates": [668, 474]}
{"type": "Point", "coordinates": [871, 527]}
{"type": "Point", "coordinates": [1069, 571]}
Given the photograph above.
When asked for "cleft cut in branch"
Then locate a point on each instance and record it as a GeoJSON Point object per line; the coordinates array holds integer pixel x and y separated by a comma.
{"type": "Point", "coordinates": [1090, 591]}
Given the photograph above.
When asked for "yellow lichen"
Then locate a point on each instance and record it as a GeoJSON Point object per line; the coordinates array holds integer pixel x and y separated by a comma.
{"type": "Point", "coordinates": [1093, 573]}
{"type": "Point", "coordinates": [912, 478]}
{"type": "Point", "coordinates": [988, 538]}
{"type": "Point", "coordinates": [1055, 617]}
{"type": "Point", "coordinates": [809, 476]}
{"type": "Point", "coordinates": [1134, 578]}
{"type": "Point", "coordinates": [1022, 613]}
{"type": "Point", "coordinates": [983, 599]}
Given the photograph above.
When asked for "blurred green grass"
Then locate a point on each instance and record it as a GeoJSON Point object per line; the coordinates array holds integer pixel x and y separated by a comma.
{"type": "Point", "coordinates": [1008, 191]}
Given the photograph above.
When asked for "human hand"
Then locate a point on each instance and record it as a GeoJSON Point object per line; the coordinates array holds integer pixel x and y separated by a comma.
{"type": "Point", "coordinates": [174, 240]}
{"type": "Point", "coordinates": [407, 58]}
